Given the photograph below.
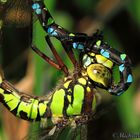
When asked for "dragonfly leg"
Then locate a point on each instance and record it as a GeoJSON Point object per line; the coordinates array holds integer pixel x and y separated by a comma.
{"type": "Point", "coordinates": [45, 57]}
{"type": "Point", "coordinates": [57, 57]}
{"type": "Point", "coordinates": [70, 53]}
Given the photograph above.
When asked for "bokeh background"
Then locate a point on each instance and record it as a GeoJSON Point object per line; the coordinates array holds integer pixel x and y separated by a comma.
{"type": "Point", "coordinates": [120, 22]}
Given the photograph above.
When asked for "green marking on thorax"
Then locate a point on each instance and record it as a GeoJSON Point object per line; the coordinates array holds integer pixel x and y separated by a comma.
{"type": "Point", "coordinates": [78, 95]}
{"type": "Point", "coordinates": [57, 103]}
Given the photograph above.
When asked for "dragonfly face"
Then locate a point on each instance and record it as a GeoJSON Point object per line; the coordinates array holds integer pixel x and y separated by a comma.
{"type": "Point", "coordinates": [98, 67]}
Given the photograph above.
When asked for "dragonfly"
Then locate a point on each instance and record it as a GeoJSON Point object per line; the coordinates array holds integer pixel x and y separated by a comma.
{"type": "Point", "coordinates": [73, 102]}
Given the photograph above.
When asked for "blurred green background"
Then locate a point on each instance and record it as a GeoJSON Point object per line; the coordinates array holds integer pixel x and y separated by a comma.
{"type": "Point", "coordinates": [120, 22]}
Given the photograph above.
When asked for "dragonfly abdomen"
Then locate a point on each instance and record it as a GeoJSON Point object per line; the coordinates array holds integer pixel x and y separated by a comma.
{"type": "Point", "coordinates": [20, 104]}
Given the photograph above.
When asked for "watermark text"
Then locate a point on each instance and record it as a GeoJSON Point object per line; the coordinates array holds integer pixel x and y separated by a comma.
{"type": "Point", "coordinates": [125, 135]}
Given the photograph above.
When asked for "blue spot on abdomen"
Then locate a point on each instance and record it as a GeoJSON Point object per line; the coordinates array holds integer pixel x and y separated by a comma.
{"type": "Point", "coordinates": [121, 68]}
{"type": "Point", "coordinates": [52, 32]}
{"type": "Point", "coordinates": [129, 78]}
{"type": "Point", "coordinates": [78, 46]}
{"type": "Point", "coordinates": [36, 7]}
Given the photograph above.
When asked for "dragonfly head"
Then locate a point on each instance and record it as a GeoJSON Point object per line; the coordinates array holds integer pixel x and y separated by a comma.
{"type": "Point", "coordinates": [98, 67]}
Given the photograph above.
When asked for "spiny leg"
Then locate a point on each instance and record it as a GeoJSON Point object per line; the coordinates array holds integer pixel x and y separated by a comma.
{"type": "Point", "coordinates": [56, 55]}
{"type": "Point", "coordinates": [67, 49]}
{"type": "Point", "coordinates": [45, 57]}
{"type": "Point", "coordinates": [70, 53]}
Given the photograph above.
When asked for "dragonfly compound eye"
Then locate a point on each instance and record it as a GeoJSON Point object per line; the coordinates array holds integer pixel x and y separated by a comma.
{"type": "Point", "coordinates": [99, 74]}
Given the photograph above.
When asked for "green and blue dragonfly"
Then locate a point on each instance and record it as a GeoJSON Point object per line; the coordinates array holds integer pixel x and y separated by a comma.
{"type": "Point", "coordinates": [74, 101]}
